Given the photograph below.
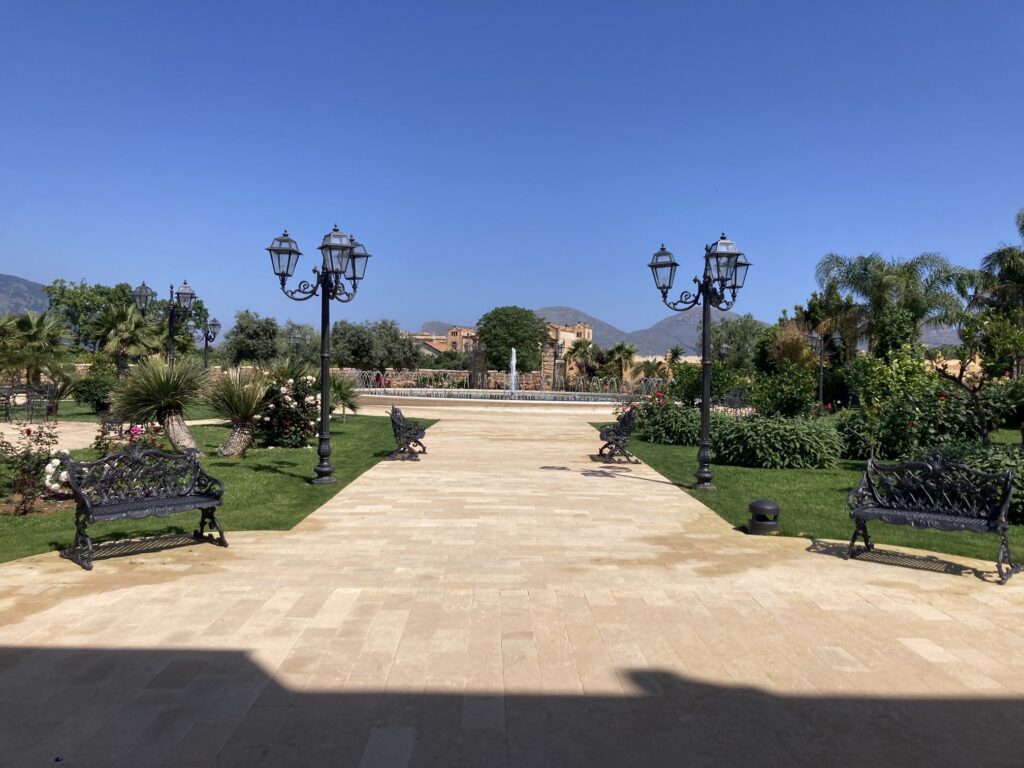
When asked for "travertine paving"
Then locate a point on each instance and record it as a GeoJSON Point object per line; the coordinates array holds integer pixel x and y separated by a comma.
{"type": "Point", "coordinates": [507, 601]}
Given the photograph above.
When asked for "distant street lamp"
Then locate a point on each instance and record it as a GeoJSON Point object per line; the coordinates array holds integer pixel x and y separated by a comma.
{"type": "Point", "coordinates": [344, 259]}
{"type": "Point", "coordinates": [179, 306]}
{"type": "Point", "coordinates": [818, 344]}
{"type": "Point", "coordinates": [209, 331]}
{"type": "Point", "coordinates": [725, 269]}
{"type": "Point", "coordinates": [296, 339]}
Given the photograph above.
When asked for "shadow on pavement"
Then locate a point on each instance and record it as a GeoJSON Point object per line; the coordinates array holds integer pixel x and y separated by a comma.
{"type": "Point", "coordinates": [85, 707]}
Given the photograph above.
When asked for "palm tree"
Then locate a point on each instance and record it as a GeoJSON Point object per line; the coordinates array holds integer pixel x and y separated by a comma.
{"type": "Point", "coordinates": [675, 354]}
{"type": "Point", "coordinates": [344, 393]}
{"type": "Point", "coordinates": [122, 327]}
{"type": "Point", "coordinates": [925, 286]}
{"type": "Point", "coordinates": [622, 354]}
{"type": "Point", "coordinates": [238, 396]}
{"type": "Point", "coordinates": [39, 340]}
{"type": "Point", "coordinates": [583, 354]}
{"type": "Point", "coordinates": [152, 391]}
{"type": "Point", "coordinates": [649, 369]}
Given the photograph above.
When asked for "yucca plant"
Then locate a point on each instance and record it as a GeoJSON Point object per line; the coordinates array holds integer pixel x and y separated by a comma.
{"type": "Point", "coordinates": [65, 383]}
{"type": "Point", "coordinates": [154, 392]}
{"type": "Point", "coordinates": [344, 394]}
{"type": "Point", "coordinates": [239, 396]}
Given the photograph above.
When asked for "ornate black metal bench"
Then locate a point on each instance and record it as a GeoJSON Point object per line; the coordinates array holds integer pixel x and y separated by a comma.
{"type": "Point", "coordinates": [136, 483]}
{"type": "Point", "coordinates": [934, 494]}
{"type": "Point", "coordinates": [616, 438]}
{"type": "Point", "coordinates": [407, 435]}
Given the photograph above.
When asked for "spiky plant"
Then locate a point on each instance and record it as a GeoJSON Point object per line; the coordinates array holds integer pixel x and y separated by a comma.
{"type": "Point", "coordinates": [345, 394]}
{"type": "Point", "coordinates": [238, 396]}
{"type": "Point", "coordinates": [65, 383]}
{"type": "Point", "coordinates": [154, 392]}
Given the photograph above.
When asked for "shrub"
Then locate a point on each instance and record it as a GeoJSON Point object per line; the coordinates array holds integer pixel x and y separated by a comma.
{"type": "Point", "coordinates": [660, 420]}
{"type": "Point", "coordinates": [778, 443]}
{"type": "Point", "coordinates": [687, 382]}
{"type": "Point", "coordinates": [791, 392]}
{"type": "Point", "coordinates": [153, 391]}
{"type": "Point", "coordinates": [25, 464]}
{"type": "Point", "coordinates": [994, 459]}
{"type": "Point", "coordinates": [95, 387]}
{"type": "Point", "coordinates": [291, 415]}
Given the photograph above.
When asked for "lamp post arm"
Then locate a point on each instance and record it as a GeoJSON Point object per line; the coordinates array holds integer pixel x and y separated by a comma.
{"type": "Point", "coordinates": [337, 291]}
{"type": "Point", "coordinates": [686, 300]}
{"type": "Point", "coordinates": [305, 290]}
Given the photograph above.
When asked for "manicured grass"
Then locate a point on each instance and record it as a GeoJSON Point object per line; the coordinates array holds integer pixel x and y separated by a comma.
{"type": "Point", "coordinates": [812, 502]}
{"type": "Point", "coordinates": [72, 411]}
{"type": "Point", "coordinates": [266, 490]}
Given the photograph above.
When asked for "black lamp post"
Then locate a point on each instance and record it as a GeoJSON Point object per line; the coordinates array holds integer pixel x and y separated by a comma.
{"type": "Point", "coordinates": [209, 331]}
{"type": "Point", "coordinates": [296, 339]}
{"type": "Point", "coordinates": [344, 259]}
{"type": "Point", "coordinates": [818, 344]}
{"type": "Point", "coordinates": [725, 269]}
{"type": "Point", "coordinates": [178, 307]}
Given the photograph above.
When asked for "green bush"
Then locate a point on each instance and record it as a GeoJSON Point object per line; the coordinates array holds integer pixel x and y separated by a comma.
{"type": "Point", "coordinates": [778, 443]}
{"type": "Point", "coordinates": [995, 459]}
{"type": "Point", "coordinates": [292, 414]}
{"type": "Point", "coordinates": [792, 391]}
{"type": "Point", "coordinates": [687, 382]}
{"type": "Point", "coordinates": [95, 387]}
{"type": "Point", "coordinates": [660, 420]}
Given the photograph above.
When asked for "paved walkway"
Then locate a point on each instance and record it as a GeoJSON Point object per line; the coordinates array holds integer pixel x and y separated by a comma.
{"type": "Point", "coordinates": [506, 601]}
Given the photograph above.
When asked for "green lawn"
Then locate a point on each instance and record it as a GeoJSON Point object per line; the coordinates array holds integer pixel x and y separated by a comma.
{"type": "Point", "coordinates": [812, 502]}
{"type": "Point", "coordinates": [72, 411]}
{"type": "Point", "coordinates": [266, 490]}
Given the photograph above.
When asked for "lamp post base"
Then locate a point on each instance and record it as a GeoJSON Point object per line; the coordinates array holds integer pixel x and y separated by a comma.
{"type": "Point", "coordinates": [324, 475]}
{"type": "Point", "coordinates": [704, 477]}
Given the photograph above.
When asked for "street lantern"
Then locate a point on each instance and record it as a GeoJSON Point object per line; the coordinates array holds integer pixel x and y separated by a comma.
{"type": "Point", "coordinates": [143, 295]}
{"type": "Point", "coordinates": [209, 332]}
{"type": "Point", "coordinates": [179, 306]}
{"type": "Point", "coordinates": [344, 259]}
{"type": "Point", "coordinates": [284, 256]}
{"type": "Point", "coordinates": [725, 270]}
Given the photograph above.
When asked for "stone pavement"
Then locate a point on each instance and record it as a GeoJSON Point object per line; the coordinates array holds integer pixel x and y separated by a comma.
{"type": "Point", "coordinates": [506, 601]}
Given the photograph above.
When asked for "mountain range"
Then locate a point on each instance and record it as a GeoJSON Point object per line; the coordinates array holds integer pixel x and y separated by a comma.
{"type": "Point", "coordinates": [18, 295]}
{"type": "Point", "coordinates": [679, 329]}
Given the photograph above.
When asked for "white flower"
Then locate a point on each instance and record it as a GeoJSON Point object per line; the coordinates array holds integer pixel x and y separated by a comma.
{"type": "Point", "coordinates": [312, 423]}
{"type": "Point", "coordinates": [64, 476]}
{"type": "Point", "coordinates": [290, 382]}
{"type": "Point", "coordinates": [310, 399]}
{"type": "Point", "coordinates": [271, 407]}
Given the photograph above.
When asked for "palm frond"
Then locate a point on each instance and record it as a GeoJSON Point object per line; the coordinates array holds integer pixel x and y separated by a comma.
{"type": "Point", "coordinates": [151, 390]}
{"type": "Point", "coordinates": [238, 395]}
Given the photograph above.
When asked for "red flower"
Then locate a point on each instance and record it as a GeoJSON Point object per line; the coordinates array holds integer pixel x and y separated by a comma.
{"type": "Point", "coordinates": [941, 395]}
{"type": "Point", "coordinates": [28, 431]}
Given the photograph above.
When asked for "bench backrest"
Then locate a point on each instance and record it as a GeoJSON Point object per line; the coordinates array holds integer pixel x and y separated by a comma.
{"type": "Point", "coordinates": [137, 473]}
{"type": "Point", "coordinates": [397, 419]}
{"type": "Point", "coordinates": [626, 420]}
{"type": "Point", "coordinates": [937, 486]}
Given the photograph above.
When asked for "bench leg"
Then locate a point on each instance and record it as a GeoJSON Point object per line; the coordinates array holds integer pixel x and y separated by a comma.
{"type": "Point", "coordinates": [1005, 566]}
{"type": "Point", "coordinates": [207, 516]}
{"type": "Point", "coordinates": [860, 529]}
{"type": "Point", "coordinates": [81, 548]}
{"type": "Point", "coordinates": [404, 450]}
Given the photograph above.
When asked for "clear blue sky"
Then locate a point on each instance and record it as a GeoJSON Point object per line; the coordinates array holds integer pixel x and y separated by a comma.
{"type": "Point", "coordinates": [530, 153]}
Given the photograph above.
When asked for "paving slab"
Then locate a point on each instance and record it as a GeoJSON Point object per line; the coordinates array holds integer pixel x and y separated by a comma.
{"type": "Point", "coordinates": [508, 601]}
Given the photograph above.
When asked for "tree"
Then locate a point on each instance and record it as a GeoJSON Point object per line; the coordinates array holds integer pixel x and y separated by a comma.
{"type": "Point", "coordinates": [121, 329]}
{"type": "Point", "coordinates": [299, 340]}
{"type": "Point", "coordinates": [80, 305]}
{"type": "Point", "coordinates": [649, 369]}
{"type": "Point", "coordinates": [373, 346]}
{"type": "Point", "coordinates": [239, 397]}
{"type": "Point", "coordinates": [583, 354]}
{"type": "Point", "coordinates": [732, 341]}
{"type": "Point", "coordinates": [925, 286]}
{"type": "Point", "coordinates": [154, 391]}
{"type": "Point", "coordinates": [620, 356]}
{"type": "Point", "coordinates": [999, 291]}
{"type": "Point", "coordinates": [38, 340]}
{"type": "Point", "coordinates": [253, 339]}
{"type": "Point", "coordinates": [505, 328]}
{"type": "Point", "coordinates": [675, 354]}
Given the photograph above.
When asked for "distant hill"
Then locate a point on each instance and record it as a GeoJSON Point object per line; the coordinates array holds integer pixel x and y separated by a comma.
{"type": "Point", "coordinates": [605, 334]}
{"type": "Point", "coordinates": [18, 295]}
{"type": "Point", "coordinates": [679, 329]}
